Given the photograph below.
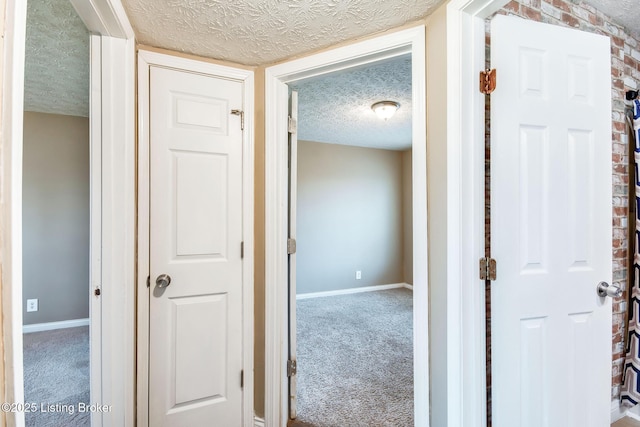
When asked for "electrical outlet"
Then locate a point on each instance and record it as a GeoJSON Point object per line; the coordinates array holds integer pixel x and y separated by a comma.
{"type": "Point", "coordinates": [32, 304]}
{"type": "Point", "coordinates": [358, 274]}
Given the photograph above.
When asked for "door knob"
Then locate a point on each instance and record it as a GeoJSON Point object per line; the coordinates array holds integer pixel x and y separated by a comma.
{"type": "Point", "coordinates": [607, 290]}
{"type": "Point", "coordinates": [163, 281]}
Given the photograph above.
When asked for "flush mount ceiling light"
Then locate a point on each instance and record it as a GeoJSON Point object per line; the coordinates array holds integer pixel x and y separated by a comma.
{"type": "Point", "coordinates": [385, 109]}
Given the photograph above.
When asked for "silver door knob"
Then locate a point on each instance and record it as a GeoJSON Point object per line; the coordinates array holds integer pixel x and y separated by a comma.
{"type": "Point", "coordinates": [607, 290]}
{"type": "Point", "coordinates": [163, 281]}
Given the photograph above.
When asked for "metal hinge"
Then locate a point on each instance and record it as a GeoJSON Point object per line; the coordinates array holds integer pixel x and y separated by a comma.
{"type": "Point", "coordinates": [242, 379]}
{"type": "Point", "coordinates": [148, 281]}
{"type": "Point", "coordinates": [241, 250]}
{"type": "Point", "coordinates": [488, 81]}
{"type": "Point", "coordinates": [241, 114]}
{"type": "Point", "coordinates": [292, 368]}
{"type": "Point", "coordinates": [293, 125]}
{"type": "Point", "coordinates": [488, 269]}
{"type": "Point", "coordinates": [291, 246]}
{"type": "Point", "coordinates": [97, 291]}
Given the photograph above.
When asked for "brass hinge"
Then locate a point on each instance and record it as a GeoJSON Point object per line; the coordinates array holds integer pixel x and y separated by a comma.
{"type": "Point", "coordinates": [291, 246]}
{"type": "Point", "coordinates": [242, 379]}
{"type": "Point", "coordinates": [292, 368]}
{"type": "Point", "coordinates": [241, 250]}
{"type": "Point", "coordinates": [241, 114]}
{"type": "Point", "coordinates": [293, 125]}
{"type": "Point", "coordinates": [97, 291]}
{"type": "Point", "coordinates": [488, 269]}
{"type": "Point", "coordinates": [488, 81]}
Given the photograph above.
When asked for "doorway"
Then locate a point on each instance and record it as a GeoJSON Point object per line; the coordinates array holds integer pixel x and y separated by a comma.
{"type": "Point", "coordinates": [351, 307]}
{"type": "Point", "coordinates": [410, 42]}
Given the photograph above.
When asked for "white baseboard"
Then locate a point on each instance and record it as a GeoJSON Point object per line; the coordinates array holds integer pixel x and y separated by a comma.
{"type": "Point", "coordinates": [259, 422]}
{"type": "Point", "coordinates": [354, 290]}
{"type": "Point", "coordinates": [617, 410]}
{"type": "Point", "coordinates": [38, 327]}
{"type": "Point", "coordinates": [633, 412]}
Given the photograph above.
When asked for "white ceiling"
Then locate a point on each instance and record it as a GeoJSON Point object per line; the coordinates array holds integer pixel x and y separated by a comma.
{"type": "Point", "coordinates": [264, 31]}
{"type": "Point", "coordinates": [57, 59]}
{"type": "Point", "coordinates": [336, 108]}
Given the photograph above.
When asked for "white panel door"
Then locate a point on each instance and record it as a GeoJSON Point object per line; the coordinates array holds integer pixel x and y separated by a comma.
{"type": "Point", "coordinates": [195, 334]}
{"type": "Point", "coordinates": [550, 225]}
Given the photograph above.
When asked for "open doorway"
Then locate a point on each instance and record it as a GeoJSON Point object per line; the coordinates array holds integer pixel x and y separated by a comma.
{"type": "Point", "coordinates": [410, 41]}
{"type": "Point", "coordinates": [56, 216]}
{"type": "Point", "coordinates": [354, 256]}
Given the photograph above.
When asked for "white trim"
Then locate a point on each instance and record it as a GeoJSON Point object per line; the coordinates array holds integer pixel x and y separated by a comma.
{"type": "Point", "coordinates": [259, 422]}
{"type": "Point", "coordinates": [49, 326]}
{"type": "Point", "coordinates": [465, 295]}
{"type": "Point", "coordinates": [617, 410]}
{"type": "Point", "coordinates": [353, 290]}
{"type": "Point", "coordinates": [276, 322]}
{"type": "Point", "coordinates": [146, 59]}
{"type": "Point", "coordinates": [633, 412]}
{"type": "Point", "coordinates": [11, 182]}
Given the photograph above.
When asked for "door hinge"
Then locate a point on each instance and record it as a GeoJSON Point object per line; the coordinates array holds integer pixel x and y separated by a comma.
{"type": "Point", "coordinates": [292, 368]}
{"type": "Point", "coordinates": [97, 291]}
{"type": "Point", "coordinates": [293, 125]}
{"type": "Point", "coordinates": [488, 269]}
{"type": "Point", "coordinates": [148, 281]}
{"type": "Point", "coordinates": [242, 379]}
{"type": "Point", "coordinates": [241, 250]}
{"type": "Point", "coordinates": [488, 81]}
{"type": "Point", "coordinates": [291, 246]}
{"type": "Point", "coordinates": [241, 114]}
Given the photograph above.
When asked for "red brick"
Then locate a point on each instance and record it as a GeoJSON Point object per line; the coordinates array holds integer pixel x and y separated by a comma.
{"type": "Point", "coordinates": [570, 20]}
{"type": "Point", "coordinates": [512, 6]}
{"type": "Point", "coordinates": [561, 5]}
{"type": "Point", "coordinates": [534, 15]}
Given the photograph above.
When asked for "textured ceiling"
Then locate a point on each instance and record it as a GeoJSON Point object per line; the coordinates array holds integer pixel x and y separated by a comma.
{"type": "Point", "coordinates": [623, 12]}
{"type": "Point", "coordinates": [57, 59]}
{"type": "Point", "coordinates": [336, 108]}
{"type": "Point", "coordinates": [263, 31]}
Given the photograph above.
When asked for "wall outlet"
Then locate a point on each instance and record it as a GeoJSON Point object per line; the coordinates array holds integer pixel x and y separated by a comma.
{"type": "Point", "coordinates": [32, 304]}
{"type": "Point", "coordinates": [358, 274]}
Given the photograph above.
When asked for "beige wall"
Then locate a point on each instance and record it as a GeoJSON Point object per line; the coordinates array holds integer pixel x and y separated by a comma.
{"type": "Point", "coordinates": [55, 217]}
{"type": "Point", "coordinates": [407, 218]}
{"type": "Point", "coordinates": [349, 217]}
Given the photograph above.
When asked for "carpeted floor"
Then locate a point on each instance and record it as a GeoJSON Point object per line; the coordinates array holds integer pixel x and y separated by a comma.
{"type": "Point", "coordinates": [56, 371]}
{"type": "Point", "coordinates": [355, 360]}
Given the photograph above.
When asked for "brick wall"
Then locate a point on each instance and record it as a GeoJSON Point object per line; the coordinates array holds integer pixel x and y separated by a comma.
{"type": "Point", "coordinates": [625, 75]}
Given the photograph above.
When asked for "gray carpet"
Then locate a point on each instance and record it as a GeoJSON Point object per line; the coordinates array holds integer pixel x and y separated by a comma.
{"type": "Point", "coordinates": [355, 360]}
{"type": "Point", "coordinates": [56, 371]}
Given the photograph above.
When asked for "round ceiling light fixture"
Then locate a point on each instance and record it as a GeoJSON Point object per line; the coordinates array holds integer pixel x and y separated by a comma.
{"type": "Point", "coordinates": [385, 109]}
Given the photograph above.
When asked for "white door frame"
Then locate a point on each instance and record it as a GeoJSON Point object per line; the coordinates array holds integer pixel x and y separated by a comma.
{"type": "Point", "coordinates": [411, 41]}
{"type": "Point", "coordinates": [146, 59]}
{"type": "Point", "coordinates": [456, 38]}
{"type": "Point", "coordinates": [112, 135]}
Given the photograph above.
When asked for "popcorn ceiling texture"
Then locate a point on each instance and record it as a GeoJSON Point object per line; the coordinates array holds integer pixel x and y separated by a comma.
{"type": "Point", "coordinates": [625, 75]}
{"type": "Point", "coordinates": [57, 59]}
{"type": "Point", "coordinates": [336, 108]}
{"type": "Point", "coordinates": [255, 32]}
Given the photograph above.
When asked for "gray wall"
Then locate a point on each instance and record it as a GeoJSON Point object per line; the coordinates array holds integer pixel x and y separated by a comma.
{"type": "Point", "coordinates": [407, 217]}
{"type": "Point", "coordinates": [350, 203]}
{"type": "Point", "coordinates": [56, 217]}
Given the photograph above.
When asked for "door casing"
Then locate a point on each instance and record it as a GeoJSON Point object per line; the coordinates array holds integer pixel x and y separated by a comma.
{"type": "Point", "coordinates": [112, 218]}
{"type": "Point", "coordinates": [276, 293]}
{"type": "Point", "coordinates": [146, 59]}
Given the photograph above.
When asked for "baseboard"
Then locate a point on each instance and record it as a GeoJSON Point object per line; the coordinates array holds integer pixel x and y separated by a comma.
{"type": "Point", "coordinates": [353, 290]}
{"type": "Point", "coordinates": [38, 327]}
{"type": "Point", "coordinates": [633, 412]}
{"type": "Point", "coordinates": [259, 422]}
{"type": "Point", "coordinates": [617, 410]}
